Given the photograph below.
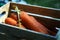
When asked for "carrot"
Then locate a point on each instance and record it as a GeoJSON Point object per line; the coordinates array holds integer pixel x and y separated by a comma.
{"type": "Point", "coordinates": [32, 23]}
{"type": "Point", "coordinates": [50, 32]}
{"type": "Point", "coordinates": [13, 15]}
{"type": "Point", "coordinates": [38, 22]}
{"type": "Point", "coordinates": [10, 21]}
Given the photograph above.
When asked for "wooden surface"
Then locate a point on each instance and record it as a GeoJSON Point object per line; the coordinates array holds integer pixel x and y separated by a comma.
{"type": "Point", "coordinates": [13, 31]}
{"type": "Point", "coordinates": [51, 24]}
{"type": "Point", "coordinates": [5, 9]}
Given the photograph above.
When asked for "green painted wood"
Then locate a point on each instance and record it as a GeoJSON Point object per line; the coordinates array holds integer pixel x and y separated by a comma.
{"type": "Point", "coordinates": [28, 34]}
{"type": "Point", "coordinates": [46, 3]}
{"type": "Point", "coordinates": [58, 35]}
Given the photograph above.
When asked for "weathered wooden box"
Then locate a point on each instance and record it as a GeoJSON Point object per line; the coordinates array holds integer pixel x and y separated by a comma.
{"type": "Point", "coordinates": [15, 33]}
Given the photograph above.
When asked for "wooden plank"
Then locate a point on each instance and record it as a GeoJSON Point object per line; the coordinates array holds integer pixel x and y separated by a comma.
{"type": "Point", "coordinates": [39, 10]}
{"type": "Point", "coordinates": [55, 13]}
{"type": "Point", "coordinates": [24, 33]}
{"type": "Point", "coordinates": [5, 9]}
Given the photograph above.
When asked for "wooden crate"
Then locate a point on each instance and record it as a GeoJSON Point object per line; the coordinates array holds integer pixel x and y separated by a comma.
{"type": "Point", "coordinates": [18, 33]}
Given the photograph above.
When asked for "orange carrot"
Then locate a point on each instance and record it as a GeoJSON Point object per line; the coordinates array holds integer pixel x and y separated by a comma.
{"type": "Point", "coordinates": [13, 15]}
{"type": "Point", "coordinates": [32, 23]}
{"type": "Point", "coordinates": [10, 21]}
{"type": "Point", "coordinates": [50, 32]}
{"type": "Point", "coordinates": [38, 22]}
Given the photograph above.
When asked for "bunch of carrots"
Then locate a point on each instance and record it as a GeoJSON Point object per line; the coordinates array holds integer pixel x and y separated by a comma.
{"type": "Point", "coordinates": [27, 22]}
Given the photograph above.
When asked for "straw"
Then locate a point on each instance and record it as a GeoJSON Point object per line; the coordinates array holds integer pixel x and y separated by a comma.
{"type": "Point", "coordinates": [18, 16]}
